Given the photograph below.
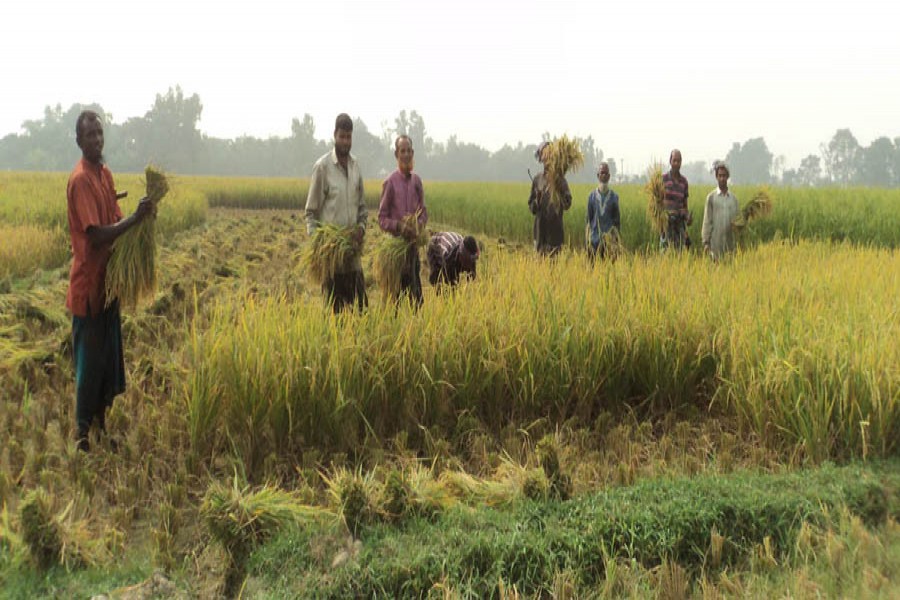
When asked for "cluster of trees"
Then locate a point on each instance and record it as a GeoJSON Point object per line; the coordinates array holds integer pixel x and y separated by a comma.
{"type": "Point", "coordinates": [168, 135]}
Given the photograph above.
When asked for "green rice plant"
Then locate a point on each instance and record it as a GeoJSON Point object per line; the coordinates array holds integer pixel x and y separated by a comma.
{"type": "Point", "coordinates": [27, 248]}
{"type": "Point", "coordinates": [654, 332]}
{"type": "Point", "coordinates": [131, 270]}
{"type": "Point", "coordinates": [332, 249]}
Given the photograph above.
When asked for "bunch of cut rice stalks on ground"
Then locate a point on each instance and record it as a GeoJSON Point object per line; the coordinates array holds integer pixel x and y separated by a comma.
{"type": "Point", "coordinates": [332, 249]}
{"type": "Point", "coordinates": [758, 207]}
{"type": "Point", "coordinates": [656, 197]}
{"type": "Point", "coordinates": [131, 271]}
{"type": "Point", "coordinates": [561, 156]}
{"type": "Point", "coordinates": [393, 255]}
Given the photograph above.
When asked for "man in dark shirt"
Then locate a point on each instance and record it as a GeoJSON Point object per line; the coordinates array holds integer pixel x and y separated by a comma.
{"type": "Point", "coordinates": [548, 215]}
{"type": "Point", "coordinates": [449, 256]}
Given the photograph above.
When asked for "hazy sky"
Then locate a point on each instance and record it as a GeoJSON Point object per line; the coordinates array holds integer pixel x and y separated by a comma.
{"type": "Point", "coordinates": [640, 76]}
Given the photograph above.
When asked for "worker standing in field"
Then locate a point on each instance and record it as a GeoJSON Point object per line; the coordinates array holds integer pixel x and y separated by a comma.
{"type": "Point", "coordinates": [720, 210]}
{"type": "Point", "coordinates": [402, 195]}
{"type": "Point", "coordinates": [603, 219]}
{"type": "Point", "coordinates": [95, 222]}
{"type": "Point", "coordinates": [548, 216]}
{"type": "Point", "coordinates": [676, 205]}
{"type": "Point", "coordinates": [450, 255]}
{"type": "Point", "coordinates": [336, 196]}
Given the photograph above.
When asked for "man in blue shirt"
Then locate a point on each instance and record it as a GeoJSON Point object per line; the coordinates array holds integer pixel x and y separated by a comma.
{"type": "Point", "coordinates": [603, 220]}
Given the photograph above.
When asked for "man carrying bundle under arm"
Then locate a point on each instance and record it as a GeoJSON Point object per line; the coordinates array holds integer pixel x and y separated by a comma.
{"type": "Point", "coordinates": [720, 210]}
{"type": "Point", "coordinates": [336, 196]}
{"type": "Point", "coordinates": [402, 195]}
{"type": "Point", "coordinates": [95, 222]}
{"type": "Point", "coordinates": [549, 234]}
{"type": "Point", "coordinates": [449, 256]}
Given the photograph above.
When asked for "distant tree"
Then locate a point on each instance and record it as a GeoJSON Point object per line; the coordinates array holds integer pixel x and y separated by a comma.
{"type": "Point", "coordinates": [750, 162]}
{"type": "Point", "coordinates": [877, 163]}
{"type": "Point", "coordinates": [697, 172]}
{"type": "Point", "coordinates": [810, 171]}
{"type": "Point", "coordinates": [612, 169]}
{"type": "Point", "coordinates": [172, 138]}
{"type": "Point", "coordinates": [842, 156]}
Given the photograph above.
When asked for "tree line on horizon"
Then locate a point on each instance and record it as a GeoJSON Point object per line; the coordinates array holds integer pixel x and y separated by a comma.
{"type": "Point", "coordinates": [168, 135]}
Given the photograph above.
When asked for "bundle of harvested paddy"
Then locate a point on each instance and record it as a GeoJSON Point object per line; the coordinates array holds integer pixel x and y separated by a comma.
{"type": "Point", "coordinates": [332, 249]}
{"type": "Point", "coordinates": [561, 156]}
{"type": "Point", "coordinates": [759, 206]}
{"type": "Point", "coordinates": [612, 244]}
{"type": "Point", "coordinates": [656, 197]}
{"type": "Point", "coordinates": [392, 255]}
{"type": "Point", "coordinates": [131, 271]}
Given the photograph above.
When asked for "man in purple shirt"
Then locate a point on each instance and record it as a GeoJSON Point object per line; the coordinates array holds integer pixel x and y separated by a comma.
{"type": "Point", "coordinates": [401, 195]}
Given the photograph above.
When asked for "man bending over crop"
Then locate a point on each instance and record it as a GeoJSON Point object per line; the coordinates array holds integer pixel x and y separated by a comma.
{"type": "Point", "coordinates": [449, 256]}
{"type": "Point", "coordinates": [402, 213]}
{"type": "Point", "coordinates": [720, 210]}
{"type": "Point", "coordinates": [548, 215]}
{"type": "Point", "coordinates": [336, 196]}
{"type": "Point", "coordinates": [95, 222]}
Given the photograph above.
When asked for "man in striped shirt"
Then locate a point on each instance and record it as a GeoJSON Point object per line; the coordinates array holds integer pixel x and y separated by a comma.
{"type": "Point", "coordinates": [450, 255]}
{"type": "Point", "coordinates": [676, 204]}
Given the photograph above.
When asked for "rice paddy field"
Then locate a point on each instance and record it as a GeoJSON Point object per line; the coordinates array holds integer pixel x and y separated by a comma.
{"type": "Point", "coordinates": [656, 426]}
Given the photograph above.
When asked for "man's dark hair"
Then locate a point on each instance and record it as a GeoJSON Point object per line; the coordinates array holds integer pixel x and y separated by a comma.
{"type": "Point", "coordinates": [83, 118]}
{"type": "Point", "coordinates": [402, 136]}
{"type": "Point", "coordinates": [343, 122]}
{"type": "Point", "coordinates": [470, 245]}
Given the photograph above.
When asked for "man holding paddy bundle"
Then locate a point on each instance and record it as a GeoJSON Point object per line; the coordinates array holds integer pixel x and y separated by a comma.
{"type": "Point", "coordinates": [676, 204]}
{"type": "Point", "coordinates": [720, 210]}
{"type": "Point", "coordinates": [95, 222]}
{"type": "Point", "coordinates": [603, 219]}
{"type": "Point", "coordinates": [548, 205]}
{"type": "Point", "coordinates": [336, 196]}
{"type": "Point", "coordinates": [450, 256]}
{"type": "Point", "coordinates": [402, 213]}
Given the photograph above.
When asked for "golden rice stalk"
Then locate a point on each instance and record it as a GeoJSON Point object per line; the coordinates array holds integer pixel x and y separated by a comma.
{"type": "Point", "coordinates": [392, 255]}
{"type": "Point", "coordinates": [656, 197]}
{"type": "Point", "coordinates": [612, 243]}
{"type": "Point", "coordinates": [331, 250]}
{"type": "Point", "coordinates": [562, 155]}
{"type": "Point", "coordinates": [131, 271]}
{"type": "Point", "coordinates": [758, 207]}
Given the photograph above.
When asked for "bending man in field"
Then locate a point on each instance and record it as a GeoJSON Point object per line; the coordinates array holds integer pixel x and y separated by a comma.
{"type": "Point", "coordinates": [95, 222]}
{"type": "Point", "coordinates": [548, 216]}
{"type": "Point", "coordinates": [449, 256]}
{"type": "Point", "coordinates": [336, 196]}
{"type": "Point", "coordinates": [676, 204]}
{"type": "Point", "coordinates": [402, 195]}
{"type": "Point", "coordinates": [603, 220]}
{"type": "Point", "coordinates": [720, 210]}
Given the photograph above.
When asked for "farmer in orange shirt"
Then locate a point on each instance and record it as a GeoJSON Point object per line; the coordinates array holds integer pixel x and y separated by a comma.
{"type": "Point", "coordinates": [95, 221]}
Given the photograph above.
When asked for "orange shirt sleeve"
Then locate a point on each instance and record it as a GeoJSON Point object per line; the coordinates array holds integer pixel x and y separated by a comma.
{"type": "Point", "coordinates": [83, 207]}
